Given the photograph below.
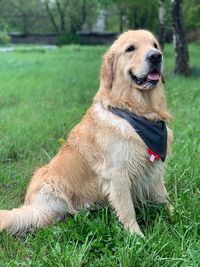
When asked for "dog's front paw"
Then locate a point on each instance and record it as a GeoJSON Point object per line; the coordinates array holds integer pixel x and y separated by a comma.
{"type": "Point", "coordinates": [135, 229]}
{"type": "Point", "coordinates": [170, 209]}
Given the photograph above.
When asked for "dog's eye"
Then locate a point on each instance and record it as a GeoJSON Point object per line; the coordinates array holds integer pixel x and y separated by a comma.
{"type": "Point", "coordinates": [130, 48]}
{"type": "Point", "coordinates": [155, 45]}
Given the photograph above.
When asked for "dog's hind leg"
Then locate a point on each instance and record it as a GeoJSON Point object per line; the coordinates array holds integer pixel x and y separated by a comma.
{"type": "Point", "coordinates": [43, 208]}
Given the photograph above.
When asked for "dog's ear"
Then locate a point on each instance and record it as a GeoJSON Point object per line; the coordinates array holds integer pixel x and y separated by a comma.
{"type": "Point", "coordinates": [162, 78]}
{"type": "Point", "coordinates": [107, 70]}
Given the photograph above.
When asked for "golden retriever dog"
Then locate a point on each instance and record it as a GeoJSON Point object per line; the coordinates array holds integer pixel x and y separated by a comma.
{"type": "Point", "coordinates": [105, 160]}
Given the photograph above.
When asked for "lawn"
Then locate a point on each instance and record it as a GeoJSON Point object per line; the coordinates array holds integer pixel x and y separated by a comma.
{"type": "Point", "coordinates": [43, 94]}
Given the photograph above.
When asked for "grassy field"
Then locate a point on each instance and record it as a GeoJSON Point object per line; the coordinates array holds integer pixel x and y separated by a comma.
{"type": "Point", "coordinates": [42, 96]}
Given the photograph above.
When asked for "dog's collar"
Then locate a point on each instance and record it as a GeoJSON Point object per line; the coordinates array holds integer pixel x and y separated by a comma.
{"type": "Point", "coordinates": [153, 134]}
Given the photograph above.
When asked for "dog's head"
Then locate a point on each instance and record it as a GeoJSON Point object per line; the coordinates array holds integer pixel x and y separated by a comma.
{"type": "Point", "coordinates": [134, 59]}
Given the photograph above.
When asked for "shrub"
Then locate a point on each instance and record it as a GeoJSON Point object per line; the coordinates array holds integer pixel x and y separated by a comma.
{"type": "Point", "coordinates": [4, 38]}
{"type": "Point", "coordinates": [68, 38]}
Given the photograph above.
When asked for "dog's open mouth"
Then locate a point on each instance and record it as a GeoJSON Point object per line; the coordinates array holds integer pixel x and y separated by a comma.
{"type": "Point", "coordinates": [148, 81]}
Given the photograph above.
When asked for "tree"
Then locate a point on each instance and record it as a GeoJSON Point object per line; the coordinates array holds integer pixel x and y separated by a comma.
{"type": "Point", "coordinates": [142, 14]}
{"type": "Point", "coordinates": [54, 9]}
{"type": "Point", "coordinates": [23, 16]}
{"type": "Point", "coordinates": [181, 49]}
{"type": "Point", "coordinates": [131, 14]}
{"type": "Point", "coordinates": [67, 18]}
{"type": "Point", "coordinates": [191, 11]}
{"type": "Point", "coordinates": [162, 20]}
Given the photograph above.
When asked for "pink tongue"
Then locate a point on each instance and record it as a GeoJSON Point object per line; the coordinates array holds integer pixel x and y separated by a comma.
{"type": "Point", "coordinates": [153, 76]}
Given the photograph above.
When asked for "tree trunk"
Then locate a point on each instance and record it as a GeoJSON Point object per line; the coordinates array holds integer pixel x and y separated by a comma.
{"type": "Point", "coordinates": [51, 16]}
{"type": "Point", "coordinates": [162, 20]}
{"type": "Point", "coordinates": [61, 12]}
{"type": "Point", "coordinates": [136, 24]}
{"type": "Point", "coordinates": [24, 24]}
{"type": "Point", "coordinates": [121, 22]}
{"type": "Point", "coordinates": [181, 49]}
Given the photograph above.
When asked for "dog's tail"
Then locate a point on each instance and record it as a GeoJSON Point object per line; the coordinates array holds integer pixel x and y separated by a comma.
{"type": "Point", "coordinates": [25, 218]}
{"type": "Point", "coordinates": [38, 213]}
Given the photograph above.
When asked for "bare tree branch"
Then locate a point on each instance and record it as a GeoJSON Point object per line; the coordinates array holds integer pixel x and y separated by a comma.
{"type": "Point", "coordinates": [61, 12]}
{"type": "Point", "coordinates": [51, 16]}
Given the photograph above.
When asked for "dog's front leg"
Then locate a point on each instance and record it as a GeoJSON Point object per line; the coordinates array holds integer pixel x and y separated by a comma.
{"type": "Point", "coordinates": [160, 195]}
{"type": "Point", "coordinates": [121, 201]}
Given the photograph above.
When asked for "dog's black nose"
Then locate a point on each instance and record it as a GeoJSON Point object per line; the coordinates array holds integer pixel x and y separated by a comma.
{"type": "Point", "coordinates": [154, 56]}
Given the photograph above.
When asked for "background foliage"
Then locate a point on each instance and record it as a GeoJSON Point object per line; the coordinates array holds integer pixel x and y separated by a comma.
{"type": "Point", "coordinates": [69, 16]}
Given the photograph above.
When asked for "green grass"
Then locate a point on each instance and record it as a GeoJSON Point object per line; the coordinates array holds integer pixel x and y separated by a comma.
{"type": "Point", "coordinates": [42, 96]}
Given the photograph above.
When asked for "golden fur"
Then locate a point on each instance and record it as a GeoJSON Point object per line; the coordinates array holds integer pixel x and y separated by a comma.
{"type": "Point", "coordinates": [103, 159]}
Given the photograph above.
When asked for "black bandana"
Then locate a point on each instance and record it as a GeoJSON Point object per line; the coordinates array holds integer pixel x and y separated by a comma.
{"type": "Point", "coordinates": [154, 134]}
